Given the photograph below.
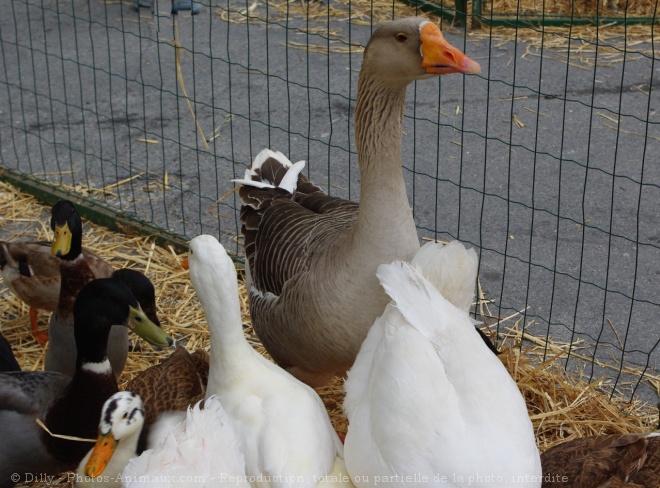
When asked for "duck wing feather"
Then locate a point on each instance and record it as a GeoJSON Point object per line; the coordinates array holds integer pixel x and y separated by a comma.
{"type": "Point", "coordinates": [604, 460]}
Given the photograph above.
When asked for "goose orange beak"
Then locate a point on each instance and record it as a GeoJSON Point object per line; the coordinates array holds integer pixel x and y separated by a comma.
{"type": "Point", "coordinates": [441, 58]}
{"type": "Point", "coordinates": [101, 454]}
{"type": "Point", "coordinates": [184, 263]}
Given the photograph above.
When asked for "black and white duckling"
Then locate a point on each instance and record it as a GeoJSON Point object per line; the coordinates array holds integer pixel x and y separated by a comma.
{"type": "Point", "coordinates": [75, 272]}
{"type": "Point", "coordinates": [32, 273]}
{"type": "Point", "coordinates": [121, 422]}
{"type": "Point", "coordinates": [120, 428]}
{"type": "Point", "coordinates": [68, 406]}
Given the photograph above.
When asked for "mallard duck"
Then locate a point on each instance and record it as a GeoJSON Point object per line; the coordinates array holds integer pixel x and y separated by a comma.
{"type": "Point", "coordinates": [7, 359]}
{"type": "Point", "coordinates": [75, 272]}
{"type": "Point", "coordinates": [32, 273]}
{"type": "Point", "coordinates": [426, 400]}
{"type": "Point", "coordinates": [121, 422]}
{"type": "Point", "coordinates": [617, 460]}
{"type": "Point", "coordinates": [283, 428]}
{"type": "Point", "coordinates": [68, 406]}
{"type": "Point", "coordinates": [174, 384]}
{"type": "Point", "coordinates": [143, 290]}
{"type": "Point", "coordinates": [203, 449]}
{"type": "Point", "coordinates": [312, 257]}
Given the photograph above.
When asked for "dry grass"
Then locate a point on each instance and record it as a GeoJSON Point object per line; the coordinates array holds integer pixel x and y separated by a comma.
{"type": "Point", "coordinates": [323, 22]}
{"type": "Point", "coordinates": [560, 406]}
{"type": "Point", "coordinates": [566, 8]}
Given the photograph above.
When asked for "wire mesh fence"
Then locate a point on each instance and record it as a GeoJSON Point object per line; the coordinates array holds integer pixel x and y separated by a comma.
{"type": "Point", "coordinates": [545, 163]}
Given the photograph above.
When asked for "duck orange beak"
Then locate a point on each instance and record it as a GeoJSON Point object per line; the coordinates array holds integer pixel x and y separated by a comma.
{"type": "Point", "coordinates": [101, 454]}
{"type": "Point", "coordinates": [441, 58]}
{"type": "Point", "coordinates": [184, 263]}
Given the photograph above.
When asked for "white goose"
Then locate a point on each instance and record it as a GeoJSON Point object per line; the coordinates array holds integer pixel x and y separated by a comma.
{"type": "Point", "coordinates": [313, 258]}
{"type": "Point", "coordinates": [282, 426]}
{"type": "Point", "coordinates": [427, 401]}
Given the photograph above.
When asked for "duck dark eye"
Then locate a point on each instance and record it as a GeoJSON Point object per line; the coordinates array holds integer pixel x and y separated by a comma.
{"type": "Point", "coordinates": [125, 416]}
{"type": "Point", "coordinates": [138, 318]}
{"type": "Point", "coordinates": [401, 37]}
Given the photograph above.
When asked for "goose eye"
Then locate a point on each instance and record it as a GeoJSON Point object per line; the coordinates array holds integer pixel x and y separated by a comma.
{"type": "Point", "coordinates": [401, 37]}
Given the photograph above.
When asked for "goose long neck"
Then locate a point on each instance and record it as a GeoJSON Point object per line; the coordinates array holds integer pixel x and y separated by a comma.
{"type": "Point", "coordinates": [378, 127]}
{"type": "Point", "coordinates": [378, 131]}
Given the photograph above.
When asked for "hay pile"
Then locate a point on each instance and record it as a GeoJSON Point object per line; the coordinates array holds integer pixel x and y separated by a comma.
{"type": "Point", "coordinates": [560, 406]}
{"type": "Point", "coordinates": [609, 41]}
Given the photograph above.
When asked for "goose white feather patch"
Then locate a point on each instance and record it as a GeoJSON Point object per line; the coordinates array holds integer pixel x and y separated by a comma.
{"type": "Point", "coordinates": [257, 184]}
{"type": "Point", "coordinates": [266, 154]}
{"type": "Point", "coordinates": [290, 180]}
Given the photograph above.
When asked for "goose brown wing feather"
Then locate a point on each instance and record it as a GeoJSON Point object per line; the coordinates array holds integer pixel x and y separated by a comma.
{"type": "Point", "coordinates": [202, 362]}
{"type": "Point", "coordinates": [281, 229]}
{"type": "Point", "coordinates": [288, 232]}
